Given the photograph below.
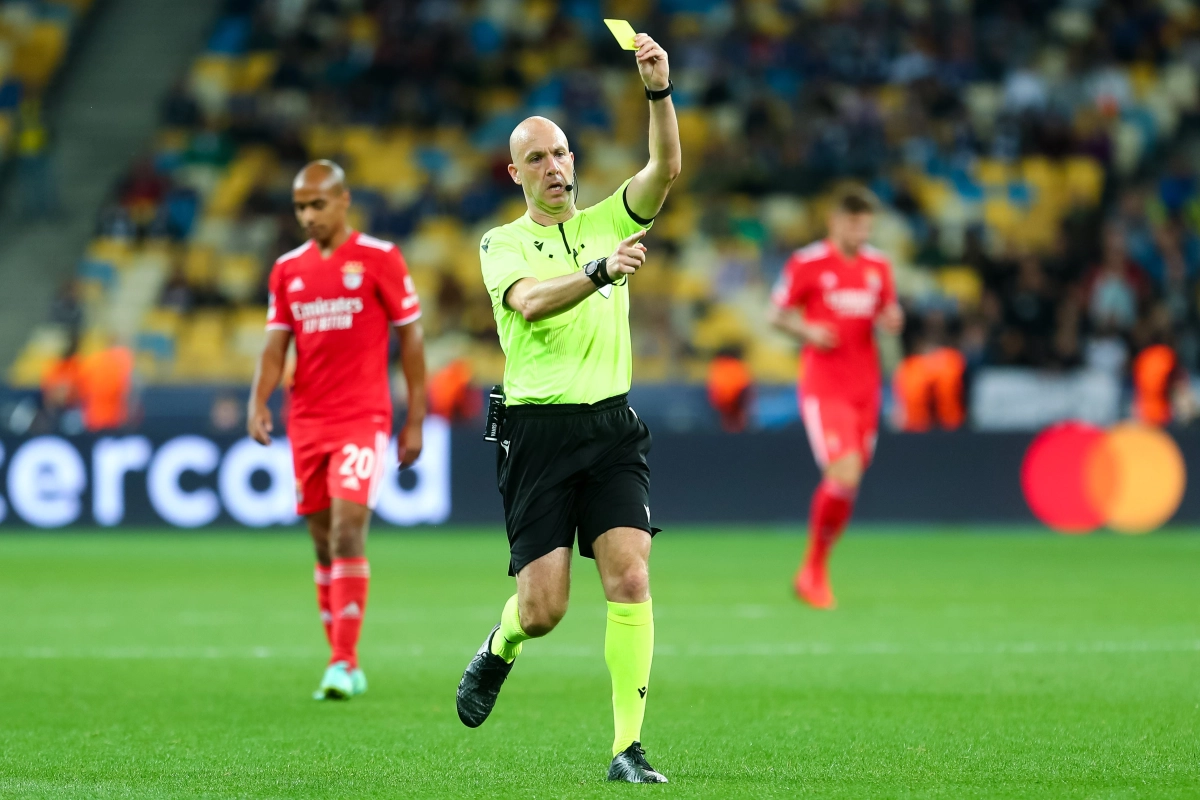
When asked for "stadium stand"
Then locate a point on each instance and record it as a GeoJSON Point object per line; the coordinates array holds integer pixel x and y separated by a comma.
{"type": "Point", "coordinates": [34, 38]}
{"type": "Point", "coordinates": [1042, 212]}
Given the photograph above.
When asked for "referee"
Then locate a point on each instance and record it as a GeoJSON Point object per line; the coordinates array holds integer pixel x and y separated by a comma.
{"type": "Point", "coordinates": [572, 455]}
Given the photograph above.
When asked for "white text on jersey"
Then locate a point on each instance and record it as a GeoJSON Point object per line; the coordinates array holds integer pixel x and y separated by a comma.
{"type": "Point", "coordinates": [336, 314]}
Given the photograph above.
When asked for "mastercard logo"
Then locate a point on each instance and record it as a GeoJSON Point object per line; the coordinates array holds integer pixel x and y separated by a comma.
{"type": "Point", "coordinates": [1077, 477]}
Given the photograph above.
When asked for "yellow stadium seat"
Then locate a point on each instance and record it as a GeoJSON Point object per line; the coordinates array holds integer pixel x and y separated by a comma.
{"type": "Point", "coordinates": [256, 69]}
{"type": "Point", "coordinates": [38, 54]}
{"type": "Point", "coordinates": [721, 328]}
{"type": "Point", "coordinates": [323, 141]}
{"type": "Point", "coordinates": [1143, 77]}
{"type": "Point", "coordinates": [999, 213]}
{"type": "Point", "coordinates": [496, 101]}
{"type": "Point", "coordinates": [249, 331]}
{"type": "Point", "coordinates": [963, 284]}
{"type": "Point", "coordinates": [161, 320]}
{"type": "Point", "coordinates": [201, 347]}
{"type": "Point", "coordinates": [770, 363]}
{"type": "Point", "coordinates": [239, 276]}
{"type": "Point", "coordinates": [651, 369]}
{"type": "Point", "coordinates": [1039, 172]}
{"type": "Point", "coordinates": [212, 70]}
{"type": "Point", "coordinates": [993, 172]}
{"type": "Point", "coordinates": [239, 180]}
{"type": "Point", "coordinates": [118, 252]}
{"type": "Point", "coordinates": [199, 266]}
{"type": "Point", "coordinates": [6, 132]}
{"type": "Point", "coordinates": [693, 129]}
{"type": "Point", "coordinates": [363, 28]}
{"type": "Point", "coordinates": [1085, 179]}
{"type": "Point", "coordinates": [932, 193]}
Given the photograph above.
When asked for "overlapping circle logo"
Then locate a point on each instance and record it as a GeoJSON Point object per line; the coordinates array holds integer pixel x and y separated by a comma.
{"type": "Point", "coordinates": [1077, 477]}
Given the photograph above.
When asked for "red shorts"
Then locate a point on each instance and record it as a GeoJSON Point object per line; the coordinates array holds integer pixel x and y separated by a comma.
{"type": "Point", "coordinates": [837, 426]}
{"type": "Point", "coordinates": [348, 464]}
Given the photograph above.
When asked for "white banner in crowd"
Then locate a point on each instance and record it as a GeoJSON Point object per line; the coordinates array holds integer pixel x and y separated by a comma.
{"type": "Point", "coordinates": [48, 478]}
{"type": "Point", "coordinates": [1014, 399]}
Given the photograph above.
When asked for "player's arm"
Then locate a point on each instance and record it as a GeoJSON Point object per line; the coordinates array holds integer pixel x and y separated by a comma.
{"type": "Point", "coordinates": [412, 363]}
{"type": "Point", "coordinates": [785, 309]}
{"type": "Point", "coordinates": [266, 378]}
{"type": "Point", "coordinates": [648, 189]}
{"type": "Point", "coordinates": [536, 300]}
{"type": "Point", "coordinates": [791, 321]}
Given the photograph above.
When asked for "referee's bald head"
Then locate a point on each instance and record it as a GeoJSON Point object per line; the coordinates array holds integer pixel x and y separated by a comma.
{"type": "Point", "coordinates": [534, 131]}
{"type": "Point", "coordinates": [543, 165]}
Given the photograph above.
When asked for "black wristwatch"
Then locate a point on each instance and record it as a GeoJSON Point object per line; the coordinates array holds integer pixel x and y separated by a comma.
{"type": "Point", "coordinates": [598, 271]}
{"type": "Point", "coordinates": [661, 93]}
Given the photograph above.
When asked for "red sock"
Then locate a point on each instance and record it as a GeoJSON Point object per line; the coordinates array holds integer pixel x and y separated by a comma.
{"type": "Point", "coordinates": [321, 577]}
{"type": "Point", "coordinates": [348, 600]}
{"type": "Point", "coordinates": [832, 505]}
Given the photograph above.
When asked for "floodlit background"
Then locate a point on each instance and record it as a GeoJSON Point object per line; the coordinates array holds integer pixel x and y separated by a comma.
{"type": "Point", "coordinates": [1038, 163]}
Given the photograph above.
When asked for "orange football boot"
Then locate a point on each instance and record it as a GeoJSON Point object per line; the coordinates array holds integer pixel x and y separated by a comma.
{"type": "Point", "coordinates": [812, 586]}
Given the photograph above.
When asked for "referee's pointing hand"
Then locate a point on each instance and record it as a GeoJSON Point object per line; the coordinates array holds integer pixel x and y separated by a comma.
{"type": "Point", "coordinates": [628, 257]}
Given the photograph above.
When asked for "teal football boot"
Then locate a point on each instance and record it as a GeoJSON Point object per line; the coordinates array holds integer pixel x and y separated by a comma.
{"type": "Point", "coordinates": [358, 680]}
{"type": "Point", "coordinates": [337, 683]}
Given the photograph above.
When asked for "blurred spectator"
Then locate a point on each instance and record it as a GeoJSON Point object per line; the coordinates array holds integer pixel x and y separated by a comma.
{"type": "Point", "coordinates": [1117, 286]}
{"type": "Point", "coordinates": [226, 414]}
{"type": "Point", "coordinates": [105, 386]}
{"type": "Point", "coordinates": [176, 293]}
{"type": "Point", "coordinates": [452, 395]}
{"type": "Point", "coordinates": [66, 309]}
{"type": "Point", "coordinates": [730, 390]}
{"type": "Point", "coordinates": [1028, 316]}
{"type": "Point", "coordinates": [141, 192]}
{"type": "Point", "coordinates": [928, 384]}
{"type": "Point", "coordinates": [60, 387]}
{"type": "Point", "coordinates": [35, 170]}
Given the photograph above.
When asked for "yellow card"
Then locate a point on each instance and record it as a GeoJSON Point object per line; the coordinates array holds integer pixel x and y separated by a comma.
{"type": "Point", "coordinates": [623, 32]}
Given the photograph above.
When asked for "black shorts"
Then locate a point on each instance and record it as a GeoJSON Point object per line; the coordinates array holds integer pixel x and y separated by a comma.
{"type": "Point", "coordinates": [563, 468]}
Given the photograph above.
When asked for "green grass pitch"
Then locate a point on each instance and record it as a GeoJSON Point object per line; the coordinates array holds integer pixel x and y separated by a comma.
{"type": "Point", "coordinates": [1001, 664]}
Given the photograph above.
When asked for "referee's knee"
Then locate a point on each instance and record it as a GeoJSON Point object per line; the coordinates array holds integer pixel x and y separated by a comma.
{"type": "Point", "coordinates": [630, 585]}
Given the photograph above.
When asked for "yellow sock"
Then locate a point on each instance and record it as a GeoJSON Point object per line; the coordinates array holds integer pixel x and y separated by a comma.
{"type": "Point", "coordinates": [507, 641]}
{"type": "Point", "coordinates": [628, 651]}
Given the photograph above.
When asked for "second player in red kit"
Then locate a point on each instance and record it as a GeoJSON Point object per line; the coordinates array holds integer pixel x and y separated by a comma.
{"type": "Point", "coordinates": [830, 296]}
{"type": "Point", "coordinates": [338, 296]}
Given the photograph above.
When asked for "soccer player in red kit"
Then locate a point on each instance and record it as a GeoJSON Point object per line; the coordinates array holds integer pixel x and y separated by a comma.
{"type": "Point", "coordinates": [338, 296]}
{"type": "Point", "coordinates": [830, 297]}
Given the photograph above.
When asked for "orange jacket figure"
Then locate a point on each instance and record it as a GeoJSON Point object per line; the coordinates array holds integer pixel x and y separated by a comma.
{"type": "Point", "coordinates": [1155, 371]}
{"type": "Point", "coordinates": [60, 383]}
{"type": "Point", "coordinates": [451, 395]}
{"type": "Point", "coordinates": [949, 366]}
{"type": "Point", "coordinates": [105, 380]}
{"type": "Point", "coordinates": [912, 385]}
{"type": "Point", "coordinates": [729, 385]}
{"type": "Point", "coordinates": [928, 388]}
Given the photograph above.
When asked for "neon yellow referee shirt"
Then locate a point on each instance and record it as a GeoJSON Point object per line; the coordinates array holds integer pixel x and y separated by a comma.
{"type": "Point", "coordinates": [579, 356]}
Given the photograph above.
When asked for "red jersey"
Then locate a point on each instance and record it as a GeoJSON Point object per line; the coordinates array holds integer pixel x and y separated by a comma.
{"type": "Point", "coordinates": [846, 294]}
{"type": "Point", "coordinates": [341, 310]}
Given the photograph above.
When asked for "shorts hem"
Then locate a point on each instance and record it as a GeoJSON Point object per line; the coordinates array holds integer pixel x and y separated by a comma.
{"type": "Point", "coordinates": [513, 567]}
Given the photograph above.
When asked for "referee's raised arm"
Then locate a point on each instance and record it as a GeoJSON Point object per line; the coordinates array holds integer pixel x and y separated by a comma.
{"type": "Point", "coordinates": [648, 189]}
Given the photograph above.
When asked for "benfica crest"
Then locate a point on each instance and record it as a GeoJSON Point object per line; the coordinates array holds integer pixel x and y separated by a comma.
{"type": "Point", "coordinates": [352, 274]}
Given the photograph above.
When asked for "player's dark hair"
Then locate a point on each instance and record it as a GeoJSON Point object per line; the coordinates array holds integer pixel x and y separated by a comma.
{"type": "Point", "coordinates": [854, 198]}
